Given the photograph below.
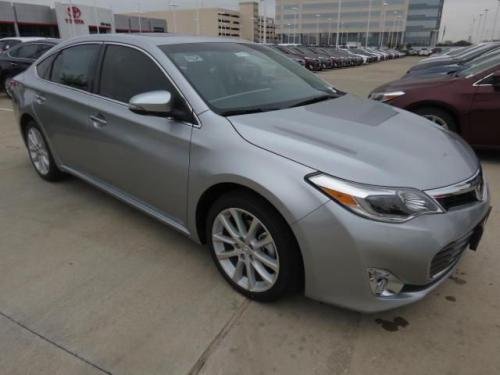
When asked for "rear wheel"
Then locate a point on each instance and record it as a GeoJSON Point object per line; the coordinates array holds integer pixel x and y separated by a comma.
{"type": "Point", "coordinates": [253, 247]}
{"type": "Point", "coordinates": [438, 116]}
{"type": "Point", "coordinates": [6, 84]}
{"type": "Point", "coordinates": [40, 154]}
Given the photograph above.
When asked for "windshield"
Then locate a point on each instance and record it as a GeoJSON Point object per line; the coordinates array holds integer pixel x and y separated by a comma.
{"type": "Point", "coordinates": [238, 78]}
{"type": "Point", "coordinates": [480, 67]}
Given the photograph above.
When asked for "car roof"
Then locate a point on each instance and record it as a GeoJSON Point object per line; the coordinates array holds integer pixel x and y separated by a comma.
{"type": "Point", "coordinates": [158, 39]}
{"type": "Point", "coordinates": [23, 38]}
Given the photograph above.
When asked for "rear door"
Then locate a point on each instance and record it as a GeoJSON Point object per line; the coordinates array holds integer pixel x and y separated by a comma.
{"type": "Point", "coordinates": [62, 104]}
{"type": "Point", "coordinates": [485, 114]}
{"type": "Point", "coordinates": [144, 157]}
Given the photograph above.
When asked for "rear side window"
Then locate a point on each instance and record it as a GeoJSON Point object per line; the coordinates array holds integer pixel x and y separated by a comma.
{"type": "Point", "coordinates": [43, 68]}
{"type": "Point", "coordinates": [75, 66]}
{"type": "Point", "coordinates": [127, 72]}
{"type": "Point", "coordinates": [26, 51]}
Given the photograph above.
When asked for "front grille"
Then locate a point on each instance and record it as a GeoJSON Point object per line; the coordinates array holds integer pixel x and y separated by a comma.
{"type": "Point", "coordinates": [461, 194]}
{"type": "Point", "coordinates": [458, 200]}
{"type": "Point", "coordinates": [448, 256]}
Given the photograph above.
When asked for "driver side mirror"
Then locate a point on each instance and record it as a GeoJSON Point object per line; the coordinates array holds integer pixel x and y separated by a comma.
{"type": "Point", "coordinates": [154, 103]}
{"type": "Point", "coordinates": [496, 80]}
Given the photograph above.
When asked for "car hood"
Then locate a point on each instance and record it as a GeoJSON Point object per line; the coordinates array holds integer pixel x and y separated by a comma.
{"type": "Point", "coordinates": [419, 82]}
{"type": "Point", "coordinates": [364, 141]}
{"type": "Point", "coordinates": [429, 64]}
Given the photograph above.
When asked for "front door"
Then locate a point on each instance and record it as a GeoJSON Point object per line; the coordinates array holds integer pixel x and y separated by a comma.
{"type": "Point", "coordinates": [144, 157]}
{"type": "Point", "coordinates": [485, 114]}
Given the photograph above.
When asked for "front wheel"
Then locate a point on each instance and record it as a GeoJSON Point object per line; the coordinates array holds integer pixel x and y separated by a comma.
{"type": "Point", "coordinates": [253, 247]}
{"type": "Point", "coordinates": [439, 117]}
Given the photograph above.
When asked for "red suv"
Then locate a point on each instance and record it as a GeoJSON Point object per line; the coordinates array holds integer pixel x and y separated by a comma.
{"type": "Point", "coordinates": [467, 102]}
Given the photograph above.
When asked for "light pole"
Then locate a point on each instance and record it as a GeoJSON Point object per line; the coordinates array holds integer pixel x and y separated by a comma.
{"type": "Point", "coordinates": [172, 6]}
{"type": "Point", "coordinates": [296, 10]}
{"type": "Point", "coordinates": [471, 36]}
{"type": "Point", "coordinates": [338, 24]}
{"type": "Point", "coordinates": [383, 24]}
{"type": "Point", "coordinates": [263, 5]}
{"type": "Point", "coordinates": [317, 28]}
{"type": "Point", "coordinates": [479, 28]}
{"type": "Point", "coordinates": [368, 24]}
{"type": "Point", "coordinates": [330, 31]}
{"type": "Point", "coordinates": [483, 34]}
{"type": "Point", "coordinates": [494, 31]}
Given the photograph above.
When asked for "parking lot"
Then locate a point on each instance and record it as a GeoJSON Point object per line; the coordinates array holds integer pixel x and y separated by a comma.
{"type": "Point", "coordinates": [89, 285]}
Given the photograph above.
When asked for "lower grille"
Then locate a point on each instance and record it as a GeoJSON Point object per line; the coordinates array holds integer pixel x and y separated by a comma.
{"type": "Point", "coordinates": [449, 255]}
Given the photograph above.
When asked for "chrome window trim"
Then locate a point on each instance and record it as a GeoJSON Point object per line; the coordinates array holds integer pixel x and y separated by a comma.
{"type": "Point", "coordinates": [470, 184]}
{"type": "Point", "coordinates": [95, 95]}
{"type": "Point", "coordinates": [479, 84]}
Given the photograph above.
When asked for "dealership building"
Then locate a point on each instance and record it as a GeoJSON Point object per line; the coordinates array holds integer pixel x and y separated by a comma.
{"type": "Point", "coordinates": [65, 20]}
{"type": "Point", "coordinates": [414, 22]}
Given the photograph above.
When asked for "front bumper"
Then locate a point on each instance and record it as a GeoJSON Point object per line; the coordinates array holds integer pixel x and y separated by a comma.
{"type": "Point", "coordinates": [338, 247]}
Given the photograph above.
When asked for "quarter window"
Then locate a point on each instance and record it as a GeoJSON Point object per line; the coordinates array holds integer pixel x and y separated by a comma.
{"type": "Point", "coordinates": [75, 66]}
{"type": "Point", "coordinates": [43, 68]}
{"type": "Point", "coordinates": [127, 72]}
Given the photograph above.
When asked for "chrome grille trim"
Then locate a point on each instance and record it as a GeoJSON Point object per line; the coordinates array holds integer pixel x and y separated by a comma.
{"type": "Point", "coordinates": [473, 184]}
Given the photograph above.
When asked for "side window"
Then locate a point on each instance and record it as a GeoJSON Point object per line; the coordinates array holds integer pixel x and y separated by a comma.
{"type": "Point", "coordinates": [26, 51]}
{"type": "Point", "coordinates": [43, 68]}
{"type": "Point", "coordinates": [75, 66]}
{"type": "Point", "coordinates": [127, 72]}
{"type": "Point", "coordinates": [42, 48]}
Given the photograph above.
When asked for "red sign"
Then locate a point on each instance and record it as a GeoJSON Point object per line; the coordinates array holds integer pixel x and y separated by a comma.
{"type": "Point", "coordinates": [74, 13]}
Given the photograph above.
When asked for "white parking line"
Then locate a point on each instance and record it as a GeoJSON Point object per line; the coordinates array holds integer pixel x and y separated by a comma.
{"type": "Point", "coordinates": [6, 109]}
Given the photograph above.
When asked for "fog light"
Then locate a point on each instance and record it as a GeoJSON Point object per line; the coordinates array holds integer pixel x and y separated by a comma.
{"type": "Point", "coordinates": [383, 283]}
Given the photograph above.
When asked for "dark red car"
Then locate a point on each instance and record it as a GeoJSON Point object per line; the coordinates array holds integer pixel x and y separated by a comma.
{"type": "Point", "coordinates": [467, 102]}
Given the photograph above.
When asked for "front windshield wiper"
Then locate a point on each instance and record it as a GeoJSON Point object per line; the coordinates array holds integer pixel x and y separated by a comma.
{"type": "Point", "coordinates": [236, 112]}
{"type": "Point", "coordinates": [313, 100]}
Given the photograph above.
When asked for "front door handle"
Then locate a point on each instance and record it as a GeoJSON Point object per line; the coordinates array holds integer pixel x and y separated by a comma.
{"type": "Point", "coordinates": [98, 121]}
{"type": "Point", "coordinates": [40, 99]}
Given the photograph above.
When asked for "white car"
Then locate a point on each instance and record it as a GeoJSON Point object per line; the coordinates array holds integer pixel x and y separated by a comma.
{"type": "Point", "coordinates": [425, 52]}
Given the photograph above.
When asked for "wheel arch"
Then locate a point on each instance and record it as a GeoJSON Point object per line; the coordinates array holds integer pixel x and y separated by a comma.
{"type": "Point", "coordinates": [438, 105]}
{"type": "Point", "coordinates": [214, 192]}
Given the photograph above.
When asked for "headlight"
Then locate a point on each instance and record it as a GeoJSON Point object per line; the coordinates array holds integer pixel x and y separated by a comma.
{"type": "Point", "coordinates": [385, 96]}
{"type": "Point", "coordinates": [394, 205]}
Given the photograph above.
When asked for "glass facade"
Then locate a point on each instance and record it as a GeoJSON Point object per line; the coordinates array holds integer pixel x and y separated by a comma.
{"type": "Point", "coordinates": [392, 22]}
{"type": "Point", "coordinates": [423, 22]}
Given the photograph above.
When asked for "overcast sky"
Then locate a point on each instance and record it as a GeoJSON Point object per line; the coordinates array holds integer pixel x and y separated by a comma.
{"type": "Point", "coordinates": [457, 15]}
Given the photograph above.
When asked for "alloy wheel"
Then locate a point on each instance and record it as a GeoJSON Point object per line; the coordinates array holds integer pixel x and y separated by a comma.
{"type": "Point", "coordinates": [38, 151]}
{"type": "Point", "coordinates": [437, 120]}
{"type": "Point", "coordinates": [245, 250]}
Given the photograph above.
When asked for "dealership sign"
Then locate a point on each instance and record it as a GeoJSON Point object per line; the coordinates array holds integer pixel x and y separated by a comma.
{"type": "Point", "coordinates": [78, 19]}
{"type": "Point", "coordinates": [74, 15]}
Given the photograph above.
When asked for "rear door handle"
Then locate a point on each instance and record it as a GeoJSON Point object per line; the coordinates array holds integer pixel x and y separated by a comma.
{"type": "Point", "coordinates": [98, 121]}
{"type": "Point", "coordinates": [40, 99]}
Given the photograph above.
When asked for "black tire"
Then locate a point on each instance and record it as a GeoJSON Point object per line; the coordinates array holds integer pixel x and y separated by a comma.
{"type": "Point", "coordinates": [444, 116]}
{"type": "Point", "coordinates": [290, 275]}
{"type": "Point", "coordinates": [53, 173]}
{"type": "Point", "coordinates": [4, 86]}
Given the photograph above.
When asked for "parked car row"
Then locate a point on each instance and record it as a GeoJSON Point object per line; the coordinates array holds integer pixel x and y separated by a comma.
{"type": "Point", "coordinates": [459, 90]}
{"type": "Point", "coordinates": [317, 58]}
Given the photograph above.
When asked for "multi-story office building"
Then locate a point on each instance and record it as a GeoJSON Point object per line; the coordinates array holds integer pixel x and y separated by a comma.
{"type": "Point", "coordinates": [423, 22]}
{"type": "Point", "coordinates": [376, 21]}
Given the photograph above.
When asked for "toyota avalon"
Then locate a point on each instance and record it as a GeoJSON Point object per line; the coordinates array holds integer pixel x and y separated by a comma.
{"type": "Point", "coordinates": [293, 184]}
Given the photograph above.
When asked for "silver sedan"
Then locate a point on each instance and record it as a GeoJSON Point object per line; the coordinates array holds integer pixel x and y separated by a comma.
{"type": "Point", "coordinates": [294, 185]}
